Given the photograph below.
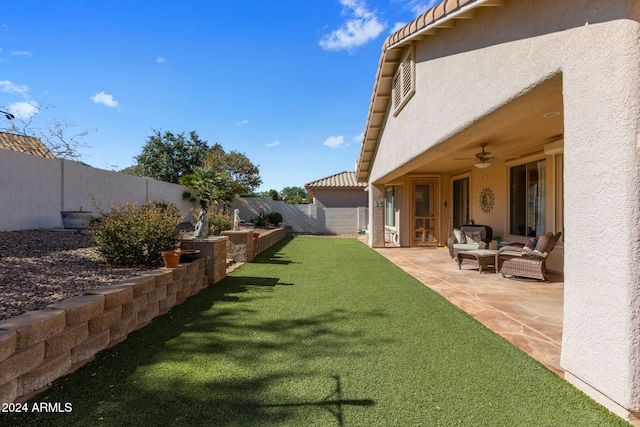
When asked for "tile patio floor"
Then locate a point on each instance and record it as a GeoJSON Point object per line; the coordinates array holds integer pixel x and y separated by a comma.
{"type": "Point", "coordinates": [527, 313]}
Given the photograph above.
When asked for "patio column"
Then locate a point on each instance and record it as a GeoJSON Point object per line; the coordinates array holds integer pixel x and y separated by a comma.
{"type": "Point", "coordinates": [600, 350]}
{"type": "Point", "coordinates": [376, 215]}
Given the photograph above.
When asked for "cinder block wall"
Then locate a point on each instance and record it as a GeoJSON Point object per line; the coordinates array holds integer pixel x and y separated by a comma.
{"type": "Point", "coordinates": [33, 190]}
{"type": "Point", "coordinates": [309, 218]}
{"type": "Point", "coordinates": [40, 346]}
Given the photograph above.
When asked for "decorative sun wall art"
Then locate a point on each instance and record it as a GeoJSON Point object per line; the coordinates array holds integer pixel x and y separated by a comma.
{"type": "Point", "coordinates": [486, 200]}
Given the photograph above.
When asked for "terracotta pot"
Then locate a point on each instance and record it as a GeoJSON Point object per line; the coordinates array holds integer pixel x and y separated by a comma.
{"type": "Point", "coordinates": [255, 235]}
{"type": "Point", "coordinates": [171, 258]}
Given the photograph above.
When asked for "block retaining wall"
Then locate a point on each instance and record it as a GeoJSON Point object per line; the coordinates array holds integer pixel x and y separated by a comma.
{"type": "Point", "coordinates": [267, 239]}
{"type": "Point", "coordinates": [40, 346]}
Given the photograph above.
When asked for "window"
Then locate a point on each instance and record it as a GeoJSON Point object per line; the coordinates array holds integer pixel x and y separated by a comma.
{"type": "Point", "coordinates": [403, 82]}
{"type": "Point", "coordinates": [528, 199]}
{"type": "Point", "coordinates": [460, 202]}
{"type": "Point", "coordinates": [390, 207]}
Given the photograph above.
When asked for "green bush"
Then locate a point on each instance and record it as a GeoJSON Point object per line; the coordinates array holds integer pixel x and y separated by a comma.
{"type": "Point", "coordinates": [219, 222]}
{"type": "Point", "coordinates": [131, 234]}
{"type": "Point", "coordinates": [274, 218]}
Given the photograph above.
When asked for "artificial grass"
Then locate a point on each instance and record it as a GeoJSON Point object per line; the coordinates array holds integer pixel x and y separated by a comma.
{"type": "Point", "coordinates": [316, 332]}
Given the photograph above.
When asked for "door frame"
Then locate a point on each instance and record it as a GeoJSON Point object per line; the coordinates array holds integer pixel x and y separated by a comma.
{"type": "Point", "coordinates": [435, 180]}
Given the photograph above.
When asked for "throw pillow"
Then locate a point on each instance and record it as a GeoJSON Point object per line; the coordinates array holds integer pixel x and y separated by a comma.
{"type": "Point", "coordinates": [543, 243]}
{"type": "Point", "coordinates": [473, 236]}
{"type": "Point", "coordinates": [460, 238]}
{"type": "Point", "coordinates": [530, 245]}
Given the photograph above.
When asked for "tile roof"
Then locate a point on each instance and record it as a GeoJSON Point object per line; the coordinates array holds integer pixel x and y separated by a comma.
{"type": "Point", "coordinates": [24, 144]}
{"type": "Point", "coordinates": [439, 18]}
{"type": "Point", "coordinates": [344, 179]}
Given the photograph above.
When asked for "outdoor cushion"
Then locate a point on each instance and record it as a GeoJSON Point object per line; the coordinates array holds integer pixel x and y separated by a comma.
{"type": "Point", "coordinates": [467, 246]}
{"type": "Point", "coordinates": [544, 242]}
{"type": "Point", "coordinates": [530, 245]}
{"type": "Point", "coordinates": [457, 243]}
{"type": "Point", "coordinates": [473, 236]}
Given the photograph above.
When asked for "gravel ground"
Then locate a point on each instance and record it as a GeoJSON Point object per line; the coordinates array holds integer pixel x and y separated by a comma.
{"type": "Point", "coordinates": [39, 267]}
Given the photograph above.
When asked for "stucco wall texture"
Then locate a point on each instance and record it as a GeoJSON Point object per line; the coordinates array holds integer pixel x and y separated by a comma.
{"type": "Point", "coordinates": [482, 64]}
{"type": "Point", "coordinates": [338, 198]}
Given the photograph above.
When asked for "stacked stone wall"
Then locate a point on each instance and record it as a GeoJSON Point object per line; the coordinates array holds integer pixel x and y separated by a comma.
{"type": "Point", "coordinates": [40, 346]}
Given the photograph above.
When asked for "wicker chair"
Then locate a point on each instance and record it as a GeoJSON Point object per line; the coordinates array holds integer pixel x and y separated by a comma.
{"type": "Point", "coordinates": [486, 233]}
{"type": "Point", "coordinates": [516, 261]}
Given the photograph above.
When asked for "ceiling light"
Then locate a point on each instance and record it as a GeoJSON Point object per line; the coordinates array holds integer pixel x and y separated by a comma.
{"type": "Point", "coordinates": [482, 165]}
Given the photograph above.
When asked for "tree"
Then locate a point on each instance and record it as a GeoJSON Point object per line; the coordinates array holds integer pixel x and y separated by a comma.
{"type": "Point", "coordinates": [168, 157]}
{"type": "Point", "coordinates": [273, 194]}
{"type": "Point", "coordinates": [207, 184]}
{"type": "Point", "coordinates": [244, 175]}
{"type": "Point", "coordinates": [222, 176]}
{"type": "Point", "coordinates": [295, 196]}
{"type": "Point", "coordinates": [55, 134]}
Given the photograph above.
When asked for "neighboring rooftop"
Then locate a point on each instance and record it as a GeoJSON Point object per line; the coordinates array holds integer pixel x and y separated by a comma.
{"type": "Point", "coordinates": [24, 144]}
{"type": "Point", "coordinates": [344, 179]}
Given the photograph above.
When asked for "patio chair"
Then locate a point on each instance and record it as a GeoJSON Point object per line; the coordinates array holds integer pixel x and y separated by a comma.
{"type": "Point", "coordinates": [469, 238]}
{"type": "Point", "coordinates": [527, 262]}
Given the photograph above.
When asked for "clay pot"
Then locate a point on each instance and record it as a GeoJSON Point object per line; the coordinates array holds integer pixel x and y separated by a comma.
{"type": "Point", "coordinates": [171, 258]}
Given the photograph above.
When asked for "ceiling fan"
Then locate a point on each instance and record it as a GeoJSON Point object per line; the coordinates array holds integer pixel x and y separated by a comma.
{"type": "Point", "coordinates": [485, 158]}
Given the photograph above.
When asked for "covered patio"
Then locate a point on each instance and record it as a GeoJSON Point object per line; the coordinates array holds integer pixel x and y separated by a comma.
{"type": "Point", "coordinates": [526, 313]}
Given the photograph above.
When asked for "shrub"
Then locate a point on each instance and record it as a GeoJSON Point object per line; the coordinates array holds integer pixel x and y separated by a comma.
{"type": "Point", "coordinates": [274, 218]}
{"type": "Point", "coordinates": [219, 222]}
{"type": "Point", "coordinates": [131, 234]}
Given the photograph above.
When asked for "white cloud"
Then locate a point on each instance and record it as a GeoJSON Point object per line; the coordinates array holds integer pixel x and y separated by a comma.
{"type": "Point", "coordinates": [358, 138]}
{"type": "Point", "coordinates": [273, 144]}
{"type": "Point", "coordinates": [24, 110]}
{"type": "Point", "coordinates": [361, 26]}
{"type": "Point", "coordinates": [397, 26]}
{"type": "Point", "coordinates": [334, 141]}
{"type": "Point", "coordinates": [7, 86]}
{"type": "Point", "coordinates": [160, 60]}
{"type": "Point", "coordinates": [21, 53]}
{"type": "Point", "coordinates": [418, 7]}
{"type": "Point", "coordinates": [244, 122]}
{"type": "Point", "coordinates": [104, 99]}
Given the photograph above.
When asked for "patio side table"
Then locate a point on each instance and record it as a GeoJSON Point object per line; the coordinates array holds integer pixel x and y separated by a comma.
{"type": "Point", "coordinates": [481, 258]}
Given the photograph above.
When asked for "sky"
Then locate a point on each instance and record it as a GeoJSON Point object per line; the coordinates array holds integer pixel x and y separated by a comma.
{"type": "Point", "coordinates": [288, 82]}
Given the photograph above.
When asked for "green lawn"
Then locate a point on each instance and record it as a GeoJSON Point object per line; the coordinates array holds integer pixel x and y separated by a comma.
{"type": "Point", "coordinates": [316, 332]}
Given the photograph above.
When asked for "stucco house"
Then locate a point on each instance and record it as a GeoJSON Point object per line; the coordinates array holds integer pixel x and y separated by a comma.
{"type": "Point", "coordinates": [523, 115]}
{"type": "Point", "coordinates": [340, 190]}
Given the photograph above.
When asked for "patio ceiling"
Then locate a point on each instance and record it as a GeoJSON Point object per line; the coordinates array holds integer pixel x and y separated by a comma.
{"type": "Point", "coordinates": [516, 129]}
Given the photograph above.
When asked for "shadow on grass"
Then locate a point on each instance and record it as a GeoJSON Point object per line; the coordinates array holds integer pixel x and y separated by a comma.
{"type": "Point", "coordinates": [333, 403]}
{"type": "Point", "coordinates": [273, 255]}
{"type": "Point", "coordinates": [217, 360]}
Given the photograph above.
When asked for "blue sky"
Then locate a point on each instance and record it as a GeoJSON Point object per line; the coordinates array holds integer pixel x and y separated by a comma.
{"type": "Point", "coordinates": [286, 82]}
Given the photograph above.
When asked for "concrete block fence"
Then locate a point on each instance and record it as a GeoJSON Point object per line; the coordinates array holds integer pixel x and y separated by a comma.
{"type": "Point", "coordinates": [308, 218]}
{"type": "Point", "coordinates": [34, 190]}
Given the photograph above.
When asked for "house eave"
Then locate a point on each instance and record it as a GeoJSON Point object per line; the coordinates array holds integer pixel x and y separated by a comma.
{"type": "Point", "coordinates": [443, 16]}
